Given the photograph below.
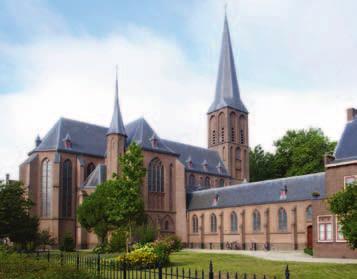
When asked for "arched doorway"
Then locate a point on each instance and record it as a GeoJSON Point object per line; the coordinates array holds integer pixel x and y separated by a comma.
{"type": "Point", "coordinates": [309, 237]}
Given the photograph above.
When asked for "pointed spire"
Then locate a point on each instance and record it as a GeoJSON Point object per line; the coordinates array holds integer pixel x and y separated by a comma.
{"type": "Point", "coordinates": [227, 89]}
{"type": "Point", "coordinates": [116, 126]}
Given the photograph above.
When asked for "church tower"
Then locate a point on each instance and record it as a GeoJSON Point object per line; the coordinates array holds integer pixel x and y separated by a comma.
{"type": "Point", "coordinates": [116, 137]}
{"type": "Point", "coordinates": [228, 117]}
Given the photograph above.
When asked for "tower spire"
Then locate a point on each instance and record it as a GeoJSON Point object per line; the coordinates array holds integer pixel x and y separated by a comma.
{"type": "Point", "coordinates": [227, 89]}
{"type": "Point", "coordinates": [116, 125]}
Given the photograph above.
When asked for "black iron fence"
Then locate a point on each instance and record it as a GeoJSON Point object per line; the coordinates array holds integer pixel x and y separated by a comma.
{"type": "Point", "coordinates": [109, 268]}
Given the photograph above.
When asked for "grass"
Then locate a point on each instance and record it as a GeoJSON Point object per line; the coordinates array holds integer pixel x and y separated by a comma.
{"type": "Point", "coordinates": [251, 265]}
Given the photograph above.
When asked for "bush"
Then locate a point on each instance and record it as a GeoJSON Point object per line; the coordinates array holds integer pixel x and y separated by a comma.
{"type": "Point", "coordinates": [308, 251]}
{"type": "Point", "coordinates": [173, 243]}
{"type": "Point", "coordinates": [144, 234]}
{"type": "Point", "coordinates": [117, 241]}
{"type": "Point", "coordinates": [141, 257]}
{"type": "Point", "coordinates": [67, 243]}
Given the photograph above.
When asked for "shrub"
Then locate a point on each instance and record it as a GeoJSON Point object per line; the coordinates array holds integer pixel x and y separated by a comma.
{"type": "Point", "coordinates": [144, 234]}
{"type": "Point", "coordinates": [67, 243]}
{"type": "Point", "coordinates": [173, 243]}
{"type": "Point", "coordinates": [308, 251]}
{"type": "Point", "coordinates": [117, 241]}
{"type": "Point", "coordinates": [141, 257]}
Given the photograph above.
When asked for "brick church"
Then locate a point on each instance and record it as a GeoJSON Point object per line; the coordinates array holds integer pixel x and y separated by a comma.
{"type": "Point", "coordinates": [200, 194]}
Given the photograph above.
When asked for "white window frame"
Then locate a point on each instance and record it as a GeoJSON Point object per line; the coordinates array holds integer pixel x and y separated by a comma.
{"type": "Point", "coordinates": [318, 229]}
{"type": "Point", "coordinates": [347, 177]}
{"type": "Point", "coordinates": [336, 232]}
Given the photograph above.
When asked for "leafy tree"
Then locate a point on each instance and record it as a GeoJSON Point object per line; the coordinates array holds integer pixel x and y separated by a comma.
{"type": "Point", "coordinates": [301, 152]}
{"type": "Point", "coordinates": [127, 209]}
{"type": "Point", "coordinates": [16, 223]}
{"type": "Point", "coordinates": [261, 164]}
{"type": "Point", "coordinates": [93, 213]}
{"type": "Point", "coordinates": [116, 203]}
{"type": "Point", "coordinates": [344, 205]}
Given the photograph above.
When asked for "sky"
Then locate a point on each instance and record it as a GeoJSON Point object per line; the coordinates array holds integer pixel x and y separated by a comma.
{"type": "Point", "coordinates": [296, 63]}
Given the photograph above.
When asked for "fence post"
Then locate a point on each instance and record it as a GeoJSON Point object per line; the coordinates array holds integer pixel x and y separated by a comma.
{"type": "Point", "coordinates": [61, 256]}
{"type": "Point", "coordinates": [160, 270]}
{"type": "Point", "coordinates": [77, 262]}
{"type": "Point", "coordinates": [124, 268]}
{"type": "Point", "coordinates": [287, 272]}
{"type": "Point", "coordinates": [210, 273]}
{"type": "Point", "coordinates": [48, 255]}
{"type": "Point", "coordinates": [98, 264]}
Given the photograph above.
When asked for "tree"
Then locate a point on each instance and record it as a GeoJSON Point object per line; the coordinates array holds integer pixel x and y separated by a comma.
{"type": "Point", "coordinates": [261, 164]}
{"type": "Point", "coordinates": [344, 205]}
{"type": "Point", "coordinates": [116, 203]}
{"type": "Point", "coordinates": [127, 209]}
{"type": "Point", "coordinates": [301, 152]}
{"type": "Point", "coordinates": [16, 223]}
{"type": "Point", "coordinates": [93, 213]}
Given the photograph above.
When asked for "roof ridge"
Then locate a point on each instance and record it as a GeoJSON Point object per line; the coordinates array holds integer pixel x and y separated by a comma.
{"type": "Point", "coordinates": [258, 183]}
{"type": "Point", "coordinates": [195, 146]}
{"type": "Point", "coordinates": [82, 122]}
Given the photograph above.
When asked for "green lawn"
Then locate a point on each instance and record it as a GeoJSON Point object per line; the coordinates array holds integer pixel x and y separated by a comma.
{"type": "Point", "coordinates": [245, 264]}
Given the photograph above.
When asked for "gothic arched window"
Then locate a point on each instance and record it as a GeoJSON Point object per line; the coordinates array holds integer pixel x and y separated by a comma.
{"type": "Point", "coordinates": [171, 187]}
{"type": "Point", "coordinates": [233, 123]}
{"type": "Point", "coordinates": [234, 222]}
{"type": "Point", "coordinates": [67, 189]}
{"type": "Point", "coordinates": [256, 221]}
{"type": "Point", "coordinates": [90, 169]}
{"type": "Point", "coordinates": [213, 223]}
{"type": "Point", "coordinates": [213, 129]}
{"type": "Point", "coordinates": [221, 123]}
{"type": "Point", "coordinates": [191, 180]}
{"type": "Point", "coordinates": [283, 220]}
{"type": "Point", "coordinates": [194, 224]}
{"type": "Point", "coordinates": [46, 188]}
{"type": "Point", "coordinates": [156, 176]}
{"type": "Point", "coordinates": [238, 154]}
{"type": "Point", "coordinates": [309, 213]}
{"type": "Point", "coordinates": [242, 129]}
{"type": "Point", "coordinates": [207, 182]}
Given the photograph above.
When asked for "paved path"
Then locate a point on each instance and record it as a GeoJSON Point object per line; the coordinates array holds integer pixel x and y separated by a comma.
{"type": "Point", "coordinates": [290, 256]}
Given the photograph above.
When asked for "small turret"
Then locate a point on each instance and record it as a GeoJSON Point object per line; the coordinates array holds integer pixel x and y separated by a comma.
{"type": "Point", "coordinates": [38, 141]}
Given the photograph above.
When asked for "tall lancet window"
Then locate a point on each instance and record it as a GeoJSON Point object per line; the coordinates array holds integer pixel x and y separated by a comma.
{"type": "Point", "coordinates": [156, 176]}
{"type": "Point", "coordinates": [46, 188]}
{"type": "Point", "coordinates": [242, 129]}
{"type": "Point", "coordinates": [67, 189]}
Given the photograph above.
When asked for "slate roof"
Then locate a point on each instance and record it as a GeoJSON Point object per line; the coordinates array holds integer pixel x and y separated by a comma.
{"type": "Point", "coordinates": [90, 139]}
{"type": "Point", "coordinates": [198, 155]}
{"type": "Point", "coordinates": [98, 176]}
{"type": "Point", "coordinates": [86, 138]}
{"type": "Point", "coordinates": [141, 132]}
{"type": "Point", "coordinates": [346, 149]}
{"type": "Point", "coordinates": [298, 188]}
{"type": "Point", "coordinates": [227, 89]}
{"type": "Point", "coordinates": [116, 125]}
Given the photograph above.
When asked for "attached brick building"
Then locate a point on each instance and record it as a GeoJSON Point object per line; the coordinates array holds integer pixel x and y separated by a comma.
{"type": "Point", "coordinates": [200, 194]}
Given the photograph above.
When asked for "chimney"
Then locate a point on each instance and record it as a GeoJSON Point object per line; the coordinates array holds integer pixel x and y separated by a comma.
{"type": "Point", "coordinates": [351, 114]}
{"type": "Point", "coordinates": [7, 179]}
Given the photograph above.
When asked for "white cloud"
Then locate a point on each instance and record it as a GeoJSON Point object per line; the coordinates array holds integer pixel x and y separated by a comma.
{"type": "Point", "coordinates": [63, 75]}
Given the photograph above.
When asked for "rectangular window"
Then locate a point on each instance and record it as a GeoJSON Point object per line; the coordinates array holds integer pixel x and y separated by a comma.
{"type": "Point", "coordinates": [339, 235]}
{"type": "Point", "coordinates": [349, 180]}
{"type": "Point", "coordinates": [324, 228]}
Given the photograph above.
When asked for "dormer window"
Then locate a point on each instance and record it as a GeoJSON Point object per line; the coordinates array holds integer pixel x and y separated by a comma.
{"type": "Point", "coordinates": [154, 141]}
{"type": "Point", "coordinates": [205, 165]}
{"type": "Point", "coordinates": [219, 167]}
{"type": "Point", "coordinates": [284, 193]}
{"type": "Point", "coordinates": [67, 141]}
{"type": "Point", "coordinates": [189, 162]}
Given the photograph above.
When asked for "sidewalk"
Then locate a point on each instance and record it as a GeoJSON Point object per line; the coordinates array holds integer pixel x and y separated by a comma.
{"type": "Point", "coordinates": [289, 256]}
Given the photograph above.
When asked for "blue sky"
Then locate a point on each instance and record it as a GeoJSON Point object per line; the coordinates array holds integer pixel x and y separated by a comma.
{"type": "Point", "coordinates": [296, 65]}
